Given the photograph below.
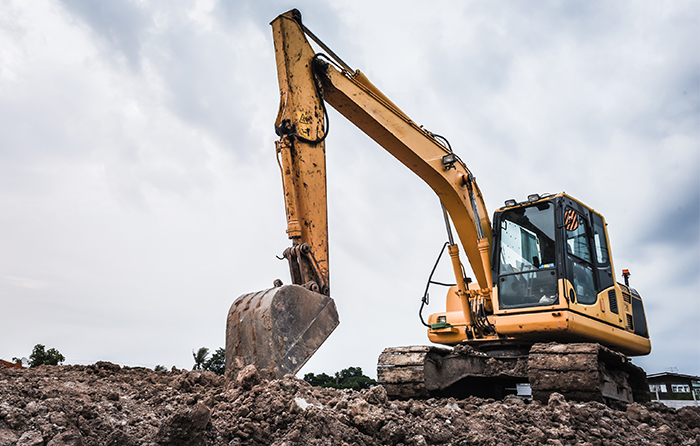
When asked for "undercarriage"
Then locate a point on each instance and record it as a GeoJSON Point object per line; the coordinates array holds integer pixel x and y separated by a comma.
{"type": "Point", "coordinates": [581, 372]}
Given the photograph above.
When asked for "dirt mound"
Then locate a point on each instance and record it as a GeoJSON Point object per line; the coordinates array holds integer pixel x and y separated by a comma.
{"type": "Point", "coordinates": [105, 404]}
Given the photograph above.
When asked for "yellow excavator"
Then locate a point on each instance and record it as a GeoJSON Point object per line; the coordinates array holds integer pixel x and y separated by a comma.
{"type": "Point", "coordinates": [543, 310]}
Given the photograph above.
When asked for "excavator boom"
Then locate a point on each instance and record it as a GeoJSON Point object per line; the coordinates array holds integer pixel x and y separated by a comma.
{"type": "Point", "coordinates": [307, 82]}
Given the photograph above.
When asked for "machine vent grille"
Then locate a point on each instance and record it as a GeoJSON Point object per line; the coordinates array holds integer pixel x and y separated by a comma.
{"type": "Point", "coordinates": [627, 297]}
{"type": "Point", "coordinates": [613, 301]}
{"type": "Point", "coordinates": [630, 322]}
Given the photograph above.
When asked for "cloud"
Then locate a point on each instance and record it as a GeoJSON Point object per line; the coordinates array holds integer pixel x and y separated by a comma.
{"type": "Point", "coordinates": [122, 26]}
{"type": "Point", "coordinates": [25, 282]}
{"type": "Point", "coordinates": [201, 70]}
{"type": "Point", "coordinates": [140, 193]}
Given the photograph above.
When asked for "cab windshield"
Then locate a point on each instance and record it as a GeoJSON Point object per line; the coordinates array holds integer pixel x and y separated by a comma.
{"type": "Point", "coordinates": [527, 275]}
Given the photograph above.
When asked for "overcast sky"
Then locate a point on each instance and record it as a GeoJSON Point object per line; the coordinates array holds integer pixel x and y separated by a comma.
{"type": "Point", "coordinates": [139, 192]}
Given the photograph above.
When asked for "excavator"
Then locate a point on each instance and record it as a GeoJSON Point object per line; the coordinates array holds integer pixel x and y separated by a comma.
{"type": "Point", "coordinates": [543, 309]}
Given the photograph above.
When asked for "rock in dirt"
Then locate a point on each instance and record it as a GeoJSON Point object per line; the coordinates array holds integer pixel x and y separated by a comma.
{"type": "Point", "coordinates": [248, 377]}
{"type": "Point", "coordinates": [7, 438]}
{"type": "Point", "coordinates": [30, 438]}
{"type": "Point", "coordinates": [105, 404]}
{"type": "Point", "coordinates": [69, 438]}
{"type": "Point", "coordinates": [187, 426]}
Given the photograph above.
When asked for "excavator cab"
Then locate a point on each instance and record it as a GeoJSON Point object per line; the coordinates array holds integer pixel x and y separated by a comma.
{"type": "Point", "coordinates": [553, 280]}
{"type": "Point", "coordinates": [553, 252]}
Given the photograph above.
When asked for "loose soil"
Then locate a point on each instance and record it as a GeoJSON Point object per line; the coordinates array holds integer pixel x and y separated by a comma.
{"type": "Point", "coordinates": [105, 404]}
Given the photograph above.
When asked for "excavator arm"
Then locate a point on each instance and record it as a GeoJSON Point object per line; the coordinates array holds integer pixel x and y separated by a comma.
{"type": "Point", "coordinates": [307, 80]}
{"type": "Point", "coordinates": [279, 329]}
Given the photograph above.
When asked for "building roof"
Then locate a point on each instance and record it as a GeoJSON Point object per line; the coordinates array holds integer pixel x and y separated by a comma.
{"type": "Point", "coordinates": [673, 375]}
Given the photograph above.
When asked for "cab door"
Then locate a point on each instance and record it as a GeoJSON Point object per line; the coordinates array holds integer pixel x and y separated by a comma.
{"type": "Point", "coordinates": [580, 267]}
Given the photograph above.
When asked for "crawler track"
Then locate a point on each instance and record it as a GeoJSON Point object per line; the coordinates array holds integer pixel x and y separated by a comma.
{"type": "Point", "coordinates": [583, 372]}
{"type": "Point", "coordinates": [401, 370]}
{"type": "Point", "coordinates": [422, 372]}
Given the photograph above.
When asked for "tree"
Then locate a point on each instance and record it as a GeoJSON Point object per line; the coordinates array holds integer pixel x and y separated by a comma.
{"type": "Point", "coordinates": [350, 378]}
{"type": "Point", "coordinates": [200, 358]}
{"type": "Point", "coordinates": [41, 356]}
{"type": "Point", "coordinates": [320, 380]}
{"type": "Point", "coordinates": [160, 368]}
{"type": "Point", "coordinates": [217, 362]}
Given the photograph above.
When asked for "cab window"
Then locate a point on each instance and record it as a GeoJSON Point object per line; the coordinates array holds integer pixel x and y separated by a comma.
{"type": "Point", "coordinates": [527, 257]}
{"type": "Point", "coordinates": [576, 235]}
{"type": "Point", "coordinates": [580, 260]}
{"type": "Point", "coordinates": [601, 245]}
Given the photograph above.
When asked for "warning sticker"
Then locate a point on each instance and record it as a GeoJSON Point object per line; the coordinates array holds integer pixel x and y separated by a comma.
{"type": "Point", "coordinates": [570, 220]}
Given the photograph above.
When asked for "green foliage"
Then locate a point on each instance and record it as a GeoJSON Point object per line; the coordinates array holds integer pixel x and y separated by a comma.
{"type": "Point", "coordinates": [217, 362]}
{"type": "Point", "coordinates": [200, 358]}
{"type": "Point", "coordinates": [350, 378]}
{"type": "Point", "coordinates": [320, 380]}
{"type": "Point", "coordinates": [17, 360]}
{"type": "Point", "coordinates": [160, 368]}
{"type": "Point", "coordinates": [41, 356]}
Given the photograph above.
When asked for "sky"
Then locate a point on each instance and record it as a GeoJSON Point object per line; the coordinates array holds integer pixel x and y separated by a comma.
{"type": "Point", "coordinates": [140, 195]}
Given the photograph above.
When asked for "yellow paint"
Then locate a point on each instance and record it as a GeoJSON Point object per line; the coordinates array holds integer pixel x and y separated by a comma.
{"type": "Point", "coordinates": [363, 104]}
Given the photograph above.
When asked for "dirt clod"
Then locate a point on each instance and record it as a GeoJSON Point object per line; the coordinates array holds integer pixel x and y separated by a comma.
{"type": "Point", "coordinates": [69, 438]}
{"type": "Point", "coordinates": [105, 404]}
{"type": "Point", "coordinates": [248, 377]}
{"type": "Point", "coordinates": [187, 426]}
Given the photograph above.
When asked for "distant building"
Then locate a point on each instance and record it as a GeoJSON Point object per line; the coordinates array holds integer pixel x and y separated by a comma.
{"type": "Point", "coordinates": [669, 386]}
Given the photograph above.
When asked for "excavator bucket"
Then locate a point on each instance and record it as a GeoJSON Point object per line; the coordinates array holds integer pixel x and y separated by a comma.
{"type": "Point", "coordinates": [277, 330]}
